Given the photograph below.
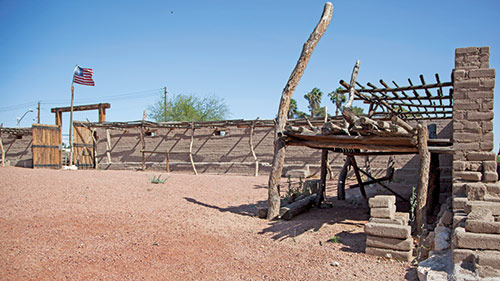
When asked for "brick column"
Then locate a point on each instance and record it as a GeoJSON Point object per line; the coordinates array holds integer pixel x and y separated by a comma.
{"type": "Point", "coordinates": [476, 192]}
{"type": "Point", "coordinates": [473, 85]}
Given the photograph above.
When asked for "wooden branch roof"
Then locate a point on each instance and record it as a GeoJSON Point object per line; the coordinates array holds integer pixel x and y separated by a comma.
{"type": "Point", "coordinates": [415, 101]}
{"type": "Point", "coordinates": [240, 123]}
{"type": "Point", "coordinates": [16, 131]}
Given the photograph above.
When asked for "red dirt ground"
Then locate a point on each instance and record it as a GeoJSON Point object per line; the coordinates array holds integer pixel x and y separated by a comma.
{"type": "Point", "coordinates": [116, 225]}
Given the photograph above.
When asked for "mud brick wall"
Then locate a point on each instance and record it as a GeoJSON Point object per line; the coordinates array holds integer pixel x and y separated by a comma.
{"type": "Point", "coordinates": [18, 148]}
{"type": "Point", "coordinates": [476, 192]}
{"type": "Point", "coordinates": [230, 154]}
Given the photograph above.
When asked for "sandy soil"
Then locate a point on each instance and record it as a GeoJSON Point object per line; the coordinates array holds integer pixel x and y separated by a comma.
{"type": "Point", "coordinates": [116, 225]}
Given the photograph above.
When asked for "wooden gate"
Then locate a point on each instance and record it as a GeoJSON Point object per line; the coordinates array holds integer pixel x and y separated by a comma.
{"type": "Point", "coordinates": [46, 146]}
{"type": "Point", "coordinates": [83, 147]}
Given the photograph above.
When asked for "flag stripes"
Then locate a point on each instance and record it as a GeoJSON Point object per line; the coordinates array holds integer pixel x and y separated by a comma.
{"type": "Point", "coordinates": [83, 76]}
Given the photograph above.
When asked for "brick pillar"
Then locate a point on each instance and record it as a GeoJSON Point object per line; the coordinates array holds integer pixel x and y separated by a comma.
{"type": "Point", "coordinates": [473, 90]}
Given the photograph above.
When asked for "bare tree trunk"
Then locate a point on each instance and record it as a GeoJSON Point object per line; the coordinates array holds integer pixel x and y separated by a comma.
{"type": "Point", "coordinates": [424, 154]}
{"type": "Point", "coordinates": [279, 145]}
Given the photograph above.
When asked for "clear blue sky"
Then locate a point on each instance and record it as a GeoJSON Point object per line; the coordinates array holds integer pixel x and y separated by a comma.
{"type": "Point", "coordinates": [242, 51]}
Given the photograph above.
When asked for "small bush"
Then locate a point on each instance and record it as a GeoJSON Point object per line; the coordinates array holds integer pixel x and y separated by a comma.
{"type": "Point", "coordinates": [158, 180]}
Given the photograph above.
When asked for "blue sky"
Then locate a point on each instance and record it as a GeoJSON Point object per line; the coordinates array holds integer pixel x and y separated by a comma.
{"type": "Point", "coordinates": [242, 51]}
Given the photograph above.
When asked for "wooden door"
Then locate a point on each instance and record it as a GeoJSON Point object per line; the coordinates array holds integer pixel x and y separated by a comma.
{"type": "Point", "coordinates": [46, 146]}
{"type": "Point", "coordinates": [83, 147]}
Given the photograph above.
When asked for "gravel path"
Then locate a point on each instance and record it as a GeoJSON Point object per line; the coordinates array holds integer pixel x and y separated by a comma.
{"type": "Point", "coordinates": [116, 225]}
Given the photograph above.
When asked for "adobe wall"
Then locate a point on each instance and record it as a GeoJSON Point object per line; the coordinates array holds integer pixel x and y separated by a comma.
{"type": "Point", "coordinates": [230, 154]}
{"type": "Point", "coordinates": [476, 192]}
{"type": "Point", "coordinates": [17, 146]}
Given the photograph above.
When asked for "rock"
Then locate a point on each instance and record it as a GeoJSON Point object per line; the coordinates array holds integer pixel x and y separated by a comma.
{"type": "Point", "coordinates": [447, 218]}
{"type": "Point", "coordinates": [334, 263]}
{"type": "Point", "coordinates": [442, 238]}
{"type": "Point", "coordinates": [437, 267]}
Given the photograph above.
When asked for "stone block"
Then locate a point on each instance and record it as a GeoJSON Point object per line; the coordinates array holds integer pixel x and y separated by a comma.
{"type": "Point", "coordinates": [396, 220]}
{"type": "Point", "coordinates": [490, 177]}
{"type": "Point", "coordinates": [481, 214]}
{"type": "Point", "coordinates": [388, 230]}
{"type": "Point", "coordinates": [386, 213]}
{"type": "Point", "coordinates": [484, 51]}
{"type": "Point", "coordinates": [389, 243]}
{"type": "Point", "coordinates": [447, 218]}
{"type": "Point", "coordinates": [487, 264]}
{"type": "Point", "coordinates": [382, 201]}
{"type": "Point", "coordinates": [467, 83]}
{"type": "Point", "coordinates": [463, 255]}
{"type": "Point", "coordinates": [458, 74]}
{"type": "Point", "coordinates": [479, 226]}
{"type": "Point", "coordinates": [469, 105]}
{"type": "Point", "coordinates": [458, 189]}
{"type": "Point", "coordinates": [387, 253]}
{"type": "Point", "coordinates": [459, 203]}
{"type": "Point", "coordinates": [493, 189]}
{"type": "Point", "coordinates": [481, 156]}
{"type": "Point", "coordinates": [480, 116]}
{"type": "Point", "coordinates": [480, 73]}
{"type": "Point", "coordinates": [405, 217]}
{"type": "Point", "coordinates": [468, 176]}
{"type": "Point", "coordinates": [486, 145]}
{"type": "Point", "coordinates": [459, 219]}
{"type": "Point", "coordinates": [487, 83]}
{"type": "Point", "coordinates": [467, 145]}
{"type": "Point", "coordinates": [494, 207]}
{"type": "Point", "coordinates": [467, 51]}
{"type": "Point", "coordinates": [473, 241]}
{"type": "Point", "coordinates": [490, 166]}
{"type": "Point", "coordinates": [475, 190]}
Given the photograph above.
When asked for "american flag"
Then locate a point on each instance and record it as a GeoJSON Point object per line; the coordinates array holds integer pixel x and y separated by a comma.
{"type": "Point", "coordinates": [83, 76]}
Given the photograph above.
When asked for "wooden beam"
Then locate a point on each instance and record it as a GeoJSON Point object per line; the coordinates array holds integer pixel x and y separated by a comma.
{"type": "Point", "coordinates": [279, 145]}
{"type": "Point", "coordinates": [250, 143]}
{"type": "Point", "coordinates": [322, 182]}
{"type": "Point", "coordinates": [191, 149]}
{"type": "Point", "coordinates": [342, 179]}
{"type": "Point", "coordinates": [81, 107]}
{"type": "Point", "coordinates": [108, 145]}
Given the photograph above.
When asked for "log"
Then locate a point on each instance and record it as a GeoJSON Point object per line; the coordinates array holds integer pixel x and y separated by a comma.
{"type": "Point", "coordinates": [191, 149]}
{"type": "Point", "coordinates": [250, 143]}
{"type": "Point", "coordinates": [279, 144]}
{"type": "Point", "coordinates": [342, 179]}
{"type": "Point", "coordinates": [300, 130]}
{"type": "Point", "coordinates": [291, 210]}
{"type": "Point", "coordinates": [423, 181]}
{"type": "Point", "coordinates": [384, 124]}
{"type": "Point", "coordinates": [354, 75]}
{"type": "Point", "coordinates": [349, 116]}
{"type": "Point", "coordinates": [329, 128]}
{"type": "Point", "coordinates": [398, 121]}
{"type": "Point", "coordinates": [108, 145]}
{"type": "Point", "coordinates": [358, 177]}
{"type": "Point", "coordinates": [322, 185]}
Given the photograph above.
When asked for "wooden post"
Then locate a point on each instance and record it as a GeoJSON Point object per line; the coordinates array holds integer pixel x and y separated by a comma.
{"type": "Point", "coordinates": [58, 118]}
{"type": "Point", "coordinates": [2, 150]}
{"type": "Point", "coordinates": [38, 115]}
{"type": "Point", "coordinates": [358, 176]}
{"type": "Point", "coordinates": [168, 164]}
{"type": "Point", "coordinates": [191, 149]}
{"type": "Point", "coordinates": [342, 179]}
{"type": "Point", "coordinates": [71, 127]}
{"type": "Point", "coordinates": [250, 143]}
{"type": "Point", "coordinates": [434, 175]}
{"type": "Point", "coordinates": [108, 146]}
{"type": "Point", "coordinates": [279, 144]}
{"type": "Point", "coordinates": [423, 152]}
{"type": "Point", "coordinates": [165, 102]}
{"type": "Point", "coordinates": [102, 114]}
{"type": "Point", "coordinates": [322, 183]}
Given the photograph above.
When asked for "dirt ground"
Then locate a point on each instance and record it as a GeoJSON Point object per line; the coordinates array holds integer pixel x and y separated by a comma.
{"type": "Point", "coordinates": [116, 225]}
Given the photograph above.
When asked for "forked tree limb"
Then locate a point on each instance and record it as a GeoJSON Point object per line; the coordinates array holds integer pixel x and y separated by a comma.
{"type": "Point", "coordinates": [279, 145]}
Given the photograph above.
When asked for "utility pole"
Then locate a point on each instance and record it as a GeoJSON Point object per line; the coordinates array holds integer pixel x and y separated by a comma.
{"type": "Point", "coordinates": [165, 101]}
{"type": "Point", "coordinates": [38, 112]}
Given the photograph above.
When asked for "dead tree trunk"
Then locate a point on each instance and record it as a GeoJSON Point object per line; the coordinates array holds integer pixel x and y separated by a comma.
{"type": "Point", "coordinates": [423, 181]}
{"type": "Point", "coordinates": [279, 145]}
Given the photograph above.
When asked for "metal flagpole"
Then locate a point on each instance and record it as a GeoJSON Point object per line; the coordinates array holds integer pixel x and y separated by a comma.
{"type": "Point", "coordinates": [71, 119]}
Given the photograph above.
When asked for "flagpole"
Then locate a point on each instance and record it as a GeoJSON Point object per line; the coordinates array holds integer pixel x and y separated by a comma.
{"type": "Point", "coordinates": [71, 120]}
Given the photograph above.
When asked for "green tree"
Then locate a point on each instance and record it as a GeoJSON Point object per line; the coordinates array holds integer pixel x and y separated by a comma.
{"type": "Point", "coordinates": [314, 100]}
{"type": "Point", "coordinates": [338, 99]}
{"type": "Point", "coordinates": [294, 112]}
{"type": "Point", "coordinates": [189, 108]}
{"type": "Point", "coordinates": [357, 110]}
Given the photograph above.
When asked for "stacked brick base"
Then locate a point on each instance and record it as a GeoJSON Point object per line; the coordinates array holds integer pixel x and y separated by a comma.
{"type": "Point", "coordinates": [387, 233]}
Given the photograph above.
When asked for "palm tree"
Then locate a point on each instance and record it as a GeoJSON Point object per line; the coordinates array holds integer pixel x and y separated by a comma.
{"type": "Point", "coordinates": [292, 111]}
{"type": "Point", "coordinates": [314, 99]}
{"type": "Point", "coordinates": [338, 99]}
